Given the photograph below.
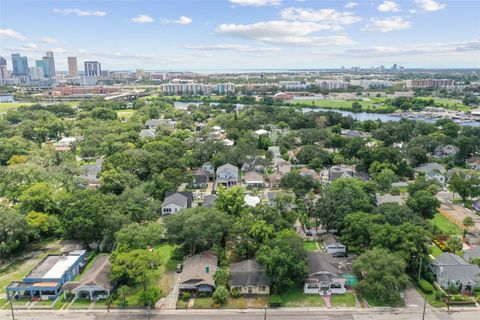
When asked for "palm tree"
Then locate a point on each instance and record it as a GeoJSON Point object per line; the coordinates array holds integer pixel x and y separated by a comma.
{"type": "Point", "coordinates": [467, 224]}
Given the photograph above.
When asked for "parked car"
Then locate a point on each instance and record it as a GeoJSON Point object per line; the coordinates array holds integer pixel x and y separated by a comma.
{"type": "Point", "coordinates": [179, 267]}
{"type": "Point", "coordinates": [339, 255]}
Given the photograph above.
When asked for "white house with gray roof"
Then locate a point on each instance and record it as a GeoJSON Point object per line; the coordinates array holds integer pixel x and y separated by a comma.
{"type": "Point", "coordinates": [226, 175]}
{"type": "Point", "coordinates": [176, 201]}
{"type": "Point", "coordinates": [450, 269]}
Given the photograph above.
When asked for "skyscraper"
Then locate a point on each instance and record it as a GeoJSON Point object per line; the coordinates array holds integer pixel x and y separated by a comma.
{"type": "Point", "coordinates": [72, 66]}
{"type": "Point", "coordinates": [36, 73]}
{"type": "Point", "coordinates": [45, 66]}
{"type": "Point", "coordinates": [3, 62]}
{"type": "Point", "coordinates": [92, 69]}
{"type": "Point", "coordinates": [20, 65]}
{"type": "Point", "coordinates": [51, 64]}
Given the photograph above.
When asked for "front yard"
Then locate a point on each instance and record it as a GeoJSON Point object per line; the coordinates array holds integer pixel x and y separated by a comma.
{"type": "Point", "coordinates": [442, 225]}
{"type": "Point", "coordinates": [343, 300]}
{"type": "Point", "coordinates": [296, 298]}
{"type": "Point", "coordinates": [310, 245]}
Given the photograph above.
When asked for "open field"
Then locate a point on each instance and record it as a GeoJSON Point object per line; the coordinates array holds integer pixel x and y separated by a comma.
{"type": "Point", "coordinates": [343, 300]}
{"type": "Point", "coordinates": [296, 298]}
{"type": "Point", "coordinates": [4, 107]}
{"type": "Point", "coordinates": [374, 104]}
{"type": "Point", "coordinates": [443, 225]}
{"type": "Point", "coordinates": [125, 113]}
{"type": "Point", "coordinates": [447, 103]}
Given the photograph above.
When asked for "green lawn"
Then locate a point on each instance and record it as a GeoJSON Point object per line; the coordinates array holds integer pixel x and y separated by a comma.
{"type": "Point", "coordinates": [80, 304]}
{"type": "Point", "coordinates": [61, 302]}
{"type": "Point", "coordinates": [374, 302]}
{"type": "Point", "coordinates": [125, 113]}
{"type": "Point", "coordinates": [182, 304]}
{"type": "Point", "coordinates": [448, 103]}
{"type": "Point", "coordinates": [310, 245]}
{"type": "Point", "coordinates": [343, 300]}
{"type": "Point", "coordinates": [431, 298]}
{"type": "Point", "coordinates": [435, 250]}
{"type": "Point", "coordinates": [203, 303]}
{"type": "Point", "coordinates": [12, 105]}
{"type": "Point", "coordinates": [296, 298]}
{"type": "Point", "coordinates": [374, 104]}
{"type": "Point", "coordinates": [443, 225]}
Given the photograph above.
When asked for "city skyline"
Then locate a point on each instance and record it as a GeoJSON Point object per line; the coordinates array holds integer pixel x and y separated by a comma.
{"type": "Point", "coordinates": [244, 34]}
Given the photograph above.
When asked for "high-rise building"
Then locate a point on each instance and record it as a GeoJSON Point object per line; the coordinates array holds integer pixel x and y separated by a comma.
{"type": "Point", "coordinates": [72, 66]}
{"type": "Point", "coordinates": [139, 73]}
{"type": "Point", "coordinates": [36, 73]}
{"type": "Point", "coordinates": [93, 69]}
{"type": "Point", "coordinates": [3, 74]}
{"type": "Point", "coordinates": [3, 62]}
{"type": "Point", "coordinates": [19, 65]}
{"type": "Point", "coordinates": [48, 58]}
{"type": "Point", "coordinates": [45, 66]}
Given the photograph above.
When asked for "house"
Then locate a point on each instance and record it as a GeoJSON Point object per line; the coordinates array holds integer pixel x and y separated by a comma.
{"type": "Point", "coordinates": [432, 171]}
{"type": "Point", "coordinates": [437, 176]}
{"type": "Point", "coordinates": [472, 253]}
{"type": "Point", "coordinates": [306, 172]}
{"type": "Point", "coordinates": [46, 279]}
{"type": "Point", "coordinates": [275, 151]}
{"type": "Point", "coordinates": [200, 126]}
{"type": "Point", "coordinates": [251, 201]}
{"type": "Point", "coordinates": [354, 134]}
{"type": "Point", "coordinates": [197, 274]}
{"type": "Point", "coordinates": [445, 151]}
{"type": "Point", "coordinates": [64, 144]}
{"type": "Point", "coordinates": [261, 132]}
{"type": "Point", "coordinates": [476, 205]}
{"type": "Point", "coordinates": [91, 173]}
{"type": "Point", "coordinates": [474, 163]}
{"type": "Point", "coordinates": [94, 284]}
{"type": "Point", "coordinates": [274, 180]}
{"type": "Point", "coordinates": [155, 123]}
{"type": "Point", "coordinates": [147, 133]}
{"type": "Point", "coordinates": [283, 167]}
{"type": "Point", "coordinates": [209, 201]}
{"type": "Point", "coordinates": [340, 172]}
{"type": "Point", "coordinates": [228, 142]}
{"type": "Point", "coordinates": [207, 166]}
{"type": "Point", "coordinates": [450, 269]}
{"type": "Point", "coordinates": [176, 201]}
{"type": "Point", "coordinates": [332, 244]}
{"type": "Point", "coordinates": [200, 178]}
{"type": "Point", "coordinates": [248, 277]}
{"type": "Point", "coordinates": [323, 277]}
{"type": "Point", "coordinates": [388, 198]}
{"type": "Point", "coordinates": [227, 175]}
{"type": "Point", "coordinates": [253, 179]}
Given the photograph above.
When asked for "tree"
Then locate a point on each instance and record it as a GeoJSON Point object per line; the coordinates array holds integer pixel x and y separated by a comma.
{"type": "Point", "coordinates": [381, 274]}
{"type": "Point", "coordinates": [461, 185]}
{"type": "Point", "coordinates": [454, 244]}
{"type": "Point", "coordinates": [299, 184]}
{"type": "Point", "coordinates": [220, 295]}
{"type": "Point", "coordinates": [356, 233]}
{"type": "Point", "coordinates": [150, 296]}
{"type": "Point", "coordinates": [42, 224]}
{"type": "Point", "coordinates": [284, 259]}
{"type": "Point", "coordinates": [123, 293]}
{"type": "Point", "coordinates": [134, 267]}
{"type": "Point", "coordinates": [424, 203]}
{"type": "Point", "coordinates": [343, 196]}
{"type": "Point", "coordinates": [39, 197]}
{"type": "Point", "coordinates": [230, 200]}
{"type": "Point", "coordinates": [13, 231]}
{"type": "Point", "coordinates": [468, 222]}
{"type": "Point", "coordinates": [384, 179]}
{"type": "Point", "coordinates": [139, 236]}
{"type": "Point", "coordinates": [198, 228]}
{"type": "Point", "coordinates": [221, 277]}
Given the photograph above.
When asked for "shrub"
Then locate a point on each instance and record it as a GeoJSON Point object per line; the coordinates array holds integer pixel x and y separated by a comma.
{"type": "Point", "coordinates": [275, 301]}
{"type": "Point", "coordinates": [439, 295]}
{"type": "Point", "coordinates": [220, 295]}
{"type": "Point", "coordinates": [186, 296]}
{"type": "Point", "coordinates": [178, 253]}
{"type": "Point", "coordinates": [425, 286]}
{"type": "Point", "coordinates": [236, 292]}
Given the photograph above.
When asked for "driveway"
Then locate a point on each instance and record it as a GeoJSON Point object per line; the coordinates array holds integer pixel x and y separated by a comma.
{"type": "Point", "coordinates": [413, 298]}
{"type": "Point", "coordinates": [170, 301]}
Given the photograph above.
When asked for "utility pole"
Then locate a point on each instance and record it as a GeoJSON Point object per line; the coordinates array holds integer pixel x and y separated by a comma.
{"type": "Point", "coordinates": [424, 307]}
{"type": "Point", "coordinates": [11, 308]}
{"type": "Point", "coordinates": [265, 314]}
{"type": "Point", "coordinates": [420, 269]}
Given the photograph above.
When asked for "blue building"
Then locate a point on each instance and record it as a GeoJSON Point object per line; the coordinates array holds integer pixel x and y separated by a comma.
{"type": "Point", "coordinates": [45, 66]}
{"type": "Point", "coordinates": [20, 65]}
{"type": "Point", "coordinates": [45, 281]}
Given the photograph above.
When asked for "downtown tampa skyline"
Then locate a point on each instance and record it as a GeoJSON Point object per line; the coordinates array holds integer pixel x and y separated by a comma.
{"type": "Point", "coordinates": [244, 34]}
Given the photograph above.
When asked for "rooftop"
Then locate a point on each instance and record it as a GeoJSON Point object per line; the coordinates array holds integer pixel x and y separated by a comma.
{"type": "Point", "coordinates": [54, 266]}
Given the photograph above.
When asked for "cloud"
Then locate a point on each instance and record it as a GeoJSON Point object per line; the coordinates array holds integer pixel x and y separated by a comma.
{"type": "Point", "coordinates": [142, 18]}
{"type": "Point", "coordinates": [388, 6]}
{"type": "Point", "coordinates": [9, 33]}
{"type": "Point", "coordinates": [387, 24]}
{"type": "Point", "coordinates": [30, 46]}
{"type": "Point", "coordinates": [81, 13]}
{"type": "Point", "coordinates": [430, 5]}
{"type": "Point", "coordinates": [256, 3]}
{"type": "Point", "coordinates": [182, 20]}
{"type": "Point", "coordinates": [49, 40]}
{"type": "Point", "coordinates": [330, 17]}
{"type": "Point", "coordinates": [445, 48]}
{"type": "Point", "coordinates": [232, 47]}
{"type": "Point", "coordinates": [33, 48]}
{"type": "Point", "coordinates": [351, 5]}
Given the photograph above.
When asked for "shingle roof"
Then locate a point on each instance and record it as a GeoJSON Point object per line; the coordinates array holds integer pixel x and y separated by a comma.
{"type": "Point", "coordinates": [227, 166]}
{"type": "Point", "coordinates": [318, 262]}
{"type": "Point", "coordinates": [248, 273]}
{"type": "Point", "coordinates": [433, 166]}
{"type": "Point", "coordinates": [195, 267]}
{"type": "Point", "coordinates": [472, 253]}
{"type": "Point", "coordinates": [208, 201]}
{"type": "Point", "coordinates": [455, 268]}
{"type": "Point", "coordinates": [253, 176]}
{"type": "Point", "coordinates": [329, 239]}
{"type": "Point", "coordinates": [183, 199]}
{"type": "Point", "coordinates": [98, 274]}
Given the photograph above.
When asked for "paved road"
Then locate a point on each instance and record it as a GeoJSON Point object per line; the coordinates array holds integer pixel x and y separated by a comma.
{"type": "Point", "coordinates": [170, 301]}
{"type": "Point", "coordinates": [279, 314]}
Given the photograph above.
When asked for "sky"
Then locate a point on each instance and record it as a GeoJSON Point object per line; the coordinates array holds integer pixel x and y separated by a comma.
{"type": "Point", "coordinates": [244, 34]}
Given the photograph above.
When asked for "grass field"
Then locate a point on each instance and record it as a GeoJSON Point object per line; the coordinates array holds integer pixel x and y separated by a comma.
{"type": "Point", "coordinates": [435, 251]}
{"type": "Point", "coordinates": [296, 298]}
{"type": "Point", "coordinates": [444, 225]}
{"type": "Point", "coordinates": [125, 113]}
{"type": "Point", "coordinates": [343, 300]}
{"type": "Point", "coordinates": [310, 245]}
{"type": "Point", "coordinates": [374, 104]}
{"type": "Point", "coordinates": [449, 103]}
{"type": "Point", "coordinates": [203, 303]}
{"type": "Point", "coordinates": [4, 107]}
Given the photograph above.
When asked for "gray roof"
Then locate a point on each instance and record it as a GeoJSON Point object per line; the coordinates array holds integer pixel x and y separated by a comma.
{"type": "Point", "coordinates": [329, 239]}
{"type": "Point", "coordinates": [147, 133]}
{"type": "Point", "coordinates": [93, 168]}
{"type": "Point", "coordinates": [388, 198]}
{"type": "Point", "coordinates": [208, 200]}
{"type": "Point", "coordinates": [98, 274]}
{"type": "Point", "coordinates": [227, 166]}
{"type": "Point", "coordinates": [253, 176]}
{"type": "Point", "coordinates": [248, 273]}
{"type": "Point", "coordinates": [455, 268]}
{"type": "Point", "coordinates": [183, 199]}
{"type": "Point", "coordinates": [318, 263]}
{"type": "Point", "coordinates": [432, 166]}
{"type": "Point", "coordinates": [472, 253]}
{"type": "Point", "coordinates": [198, 270]}
{"type": "Point", "coordinates": [153, 122]}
